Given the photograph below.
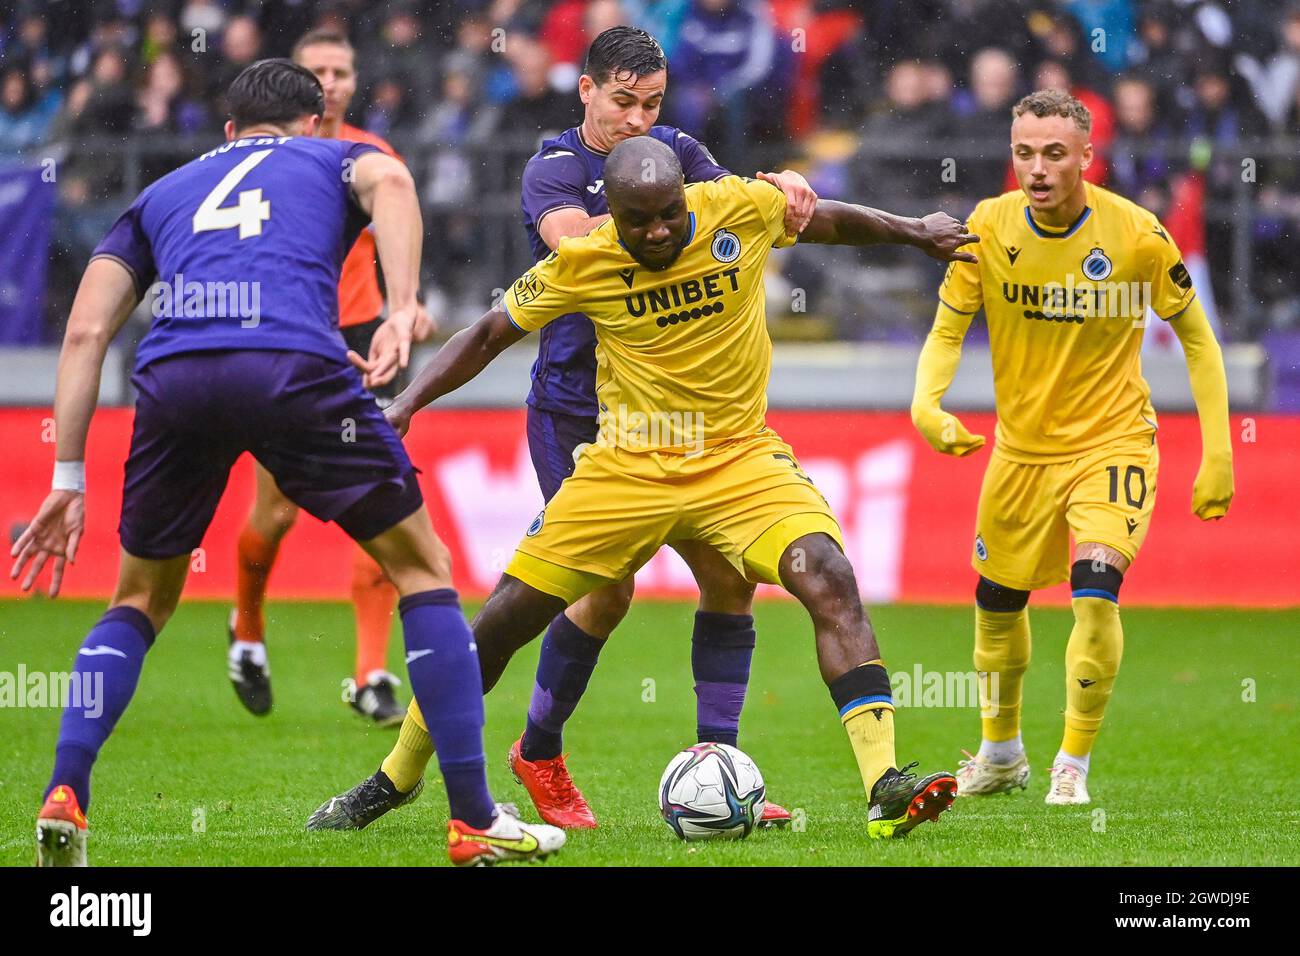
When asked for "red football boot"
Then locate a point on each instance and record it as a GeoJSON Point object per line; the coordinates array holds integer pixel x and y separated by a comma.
{"type": "Point", "coordinates": [61, 830]}
{"type": "Point", "coordinates": [774, 816]}
{"type": "Point", "coordinates": [548, 783]}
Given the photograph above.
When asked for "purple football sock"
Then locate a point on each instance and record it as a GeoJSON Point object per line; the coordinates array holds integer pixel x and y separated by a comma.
{"type": "Point", "coordinates": [443, 666]}
{"type": "Point", "coordinates": [721, 649]}
{"type": "Point", "coordinates": [105, 676]}
{"type": "Point", "coordinates": [568, 657]}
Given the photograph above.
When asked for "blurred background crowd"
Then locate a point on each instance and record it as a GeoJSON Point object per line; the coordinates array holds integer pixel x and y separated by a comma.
{"type": "Point", "coordinates": [901, 104]}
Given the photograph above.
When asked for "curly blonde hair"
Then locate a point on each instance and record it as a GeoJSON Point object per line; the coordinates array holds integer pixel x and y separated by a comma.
{"type": "Point", "coordinates": [1054, 103]}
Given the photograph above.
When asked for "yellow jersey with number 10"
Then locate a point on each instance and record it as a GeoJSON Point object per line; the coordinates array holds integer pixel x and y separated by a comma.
{"type": "Point", "coordinates": [1066, 313]}
{"type": "Point", "coordinates": [683, 355]}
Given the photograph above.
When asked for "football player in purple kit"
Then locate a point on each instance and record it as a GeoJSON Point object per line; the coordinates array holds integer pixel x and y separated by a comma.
{"type": "Point", "coordinates": [622, 88]}
{"type": "Point", "coordinates": [247, 242]}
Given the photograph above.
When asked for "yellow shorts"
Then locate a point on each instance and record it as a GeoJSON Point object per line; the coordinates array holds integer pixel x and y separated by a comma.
{"type": "Point", "coordinates": [1027, 513]}
{"type": "Point", "coordinates": [747, 498]}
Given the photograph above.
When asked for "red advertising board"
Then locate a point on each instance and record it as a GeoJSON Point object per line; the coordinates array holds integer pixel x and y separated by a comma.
{"type": "Point", "coordinates": [908, 513]}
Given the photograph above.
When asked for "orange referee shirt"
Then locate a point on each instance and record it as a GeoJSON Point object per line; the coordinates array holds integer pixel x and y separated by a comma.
{"type": "Point", "coordinates": [359, 297]}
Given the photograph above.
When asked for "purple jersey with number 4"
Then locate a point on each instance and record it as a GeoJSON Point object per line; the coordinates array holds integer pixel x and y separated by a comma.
{"type": "Point", "coordinates": [567, 173]}
{"type": "Point", "coordinates": [246, 243]}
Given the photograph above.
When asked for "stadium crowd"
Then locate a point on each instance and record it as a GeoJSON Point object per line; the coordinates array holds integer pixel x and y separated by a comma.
{"type": "Point", "coordinates": [898, 103]}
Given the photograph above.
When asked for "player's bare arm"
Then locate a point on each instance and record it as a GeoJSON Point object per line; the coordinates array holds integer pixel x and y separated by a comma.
{"type": "Point", "coordinates": [1213, 488]}
{"type": "Point", "coordinates": [567, 222]}
{"type": "Point", "coordinates": [466, 354]}
{"type": "Point", "coordinates": [384, 189]}
{"type": "Point", "coordinates": [105, 298]}
{"type": "Point", "coordinates": [938, 235]}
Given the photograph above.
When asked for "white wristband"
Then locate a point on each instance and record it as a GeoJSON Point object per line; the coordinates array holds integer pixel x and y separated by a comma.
{"type": "Point", "coordinates": [69, 476]}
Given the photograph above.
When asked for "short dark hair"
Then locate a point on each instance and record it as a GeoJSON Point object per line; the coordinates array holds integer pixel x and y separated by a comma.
{"type": "Point", "coordinates": [274, 91]}
{"type": "Point", "coordinates": [321, 36]}
{"type": "Point", "coordinates": [624, 51]}
{"type": "Point", "coordinates": [1054, 103]}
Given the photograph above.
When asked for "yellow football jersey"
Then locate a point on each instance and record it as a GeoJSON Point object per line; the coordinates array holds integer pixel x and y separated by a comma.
{"type": "Point", "coordinates": [1066, 313]}
{"type": "Point", "coordinates": [683, 355]}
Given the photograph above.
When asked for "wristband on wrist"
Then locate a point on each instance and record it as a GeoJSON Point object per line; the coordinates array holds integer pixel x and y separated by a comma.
{"type": "Point", "coordinates": [69, 476]}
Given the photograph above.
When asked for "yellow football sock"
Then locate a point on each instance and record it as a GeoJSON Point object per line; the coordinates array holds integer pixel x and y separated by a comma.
{"type": "Point", "coordinates": [1091, 662]}
{"type": "Point", "coordinates": [405, 764]}
{"type": "Point", "coordinates": [871, 732]}
{"type": "Point", "coordinates": [1002, 649]}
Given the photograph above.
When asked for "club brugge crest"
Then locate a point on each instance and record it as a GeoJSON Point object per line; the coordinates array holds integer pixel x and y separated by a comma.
{"type": "Point", "coordinates": [981, 552]}
{"type": "Point", "coordinates": [1096, 266]}
{"type": "Point", "coordinates": [726, 246]}
{"type": "Point", "coordinates": [536, 526]}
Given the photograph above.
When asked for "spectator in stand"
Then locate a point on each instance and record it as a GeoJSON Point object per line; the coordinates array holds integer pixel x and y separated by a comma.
{"type": "Point", "coordinates": [31, 47]}
{"type": "Point", "coordinates": [160, 36]}
{"type": "Point", "coordinates": [539, 110]}
{"type": "Point", "coordinates": [906, 122]}
{"type": "Point", "coordinates": [1276, 82]}
{"type": "Point", "coordinates": [1143, 160]}
{"type": "Point", "coordinates": [1155, 58]}
{"type": "Point", "coordinates": [169, 100]}
{"type": "Point", "coordinates": [994, 88]}
{"type": "Point", "coordinates": [729, 75]}
{"type": "Point", "coordinates": [1220, 120]}
{"type": "Point", "coordinates": [100, 106]}
{"type": "Point", "coordinates": [25, 116]}
{"type": "Point", "coordinates": [240, 45]}
{"type": "Point", "coordinates": [400, 58]}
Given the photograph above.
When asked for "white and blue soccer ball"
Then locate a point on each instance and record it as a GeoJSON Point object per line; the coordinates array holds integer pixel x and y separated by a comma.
{"type": "Point", "coordinates": [711, 791]}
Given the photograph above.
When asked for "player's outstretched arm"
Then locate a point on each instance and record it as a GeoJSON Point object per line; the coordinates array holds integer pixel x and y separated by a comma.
{"type": "Point", "coordinates": [104, 301]}
{"type": "Point", "coordinates": [935, 370]}
{"type": "Point", "coordinates": [567, 222]}
{"type": "Point", "coordinates": [384, 189]}
{"type": "Point", "coordinates": [937, 235]}
{"type": "Point", "coordinates": [466, 354]}
{"type": "Point", "coordinates": [1213, 489]}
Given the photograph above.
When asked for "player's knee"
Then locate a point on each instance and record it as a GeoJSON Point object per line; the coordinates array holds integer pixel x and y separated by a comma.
{"type": "Point", "coordinates": [726, 594]}
{"type": "Point", "coordinates": [824, 580]}
{"type": "Point", "coordinates": [604, 609]}
{"type": "Point", "coordinates": [1095, 579]}
{"type": "Point", "coordinates": [158, 608]}
{"type": "Point", "coordinates": [992, 596]}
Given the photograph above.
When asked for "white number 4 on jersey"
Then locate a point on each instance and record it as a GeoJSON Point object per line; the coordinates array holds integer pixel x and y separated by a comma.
{"type": "Point", "coordinates": [251, 212]}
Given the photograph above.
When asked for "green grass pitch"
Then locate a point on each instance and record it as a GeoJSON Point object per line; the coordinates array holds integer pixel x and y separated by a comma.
{"type": "Point", "coordinates": [1188, 769]}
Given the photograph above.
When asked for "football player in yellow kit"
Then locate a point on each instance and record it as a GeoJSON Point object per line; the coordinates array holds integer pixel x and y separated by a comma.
{"type": "Point", "coordinates": [1066, 275]}
{"type": "Point", "coordinates": [674, 286]}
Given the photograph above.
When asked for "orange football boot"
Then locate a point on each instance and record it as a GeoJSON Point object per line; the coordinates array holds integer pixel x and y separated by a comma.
{"type": "Point", "coordinates": [552, 790]}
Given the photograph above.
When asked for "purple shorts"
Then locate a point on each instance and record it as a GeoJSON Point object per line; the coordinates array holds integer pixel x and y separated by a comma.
{"type": "Point", "coordinates": [552, 437]}
{"type": "Point", "coordinates": [306, 418]}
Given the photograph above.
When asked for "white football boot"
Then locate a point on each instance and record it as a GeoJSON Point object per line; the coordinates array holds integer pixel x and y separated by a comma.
{"type": "Point", "coordinates": [508, 839]}
{"type": "Point", "coordinates": [977, 776]}
{"type": "Point", "coordinates": [1069, 786]}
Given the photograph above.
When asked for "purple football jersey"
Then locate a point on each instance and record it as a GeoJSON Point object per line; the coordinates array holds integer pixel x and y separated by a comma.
{"type": "Point", "coordinates": [568, 172]}
{"type": "Point", "coordinates": [246, 243]}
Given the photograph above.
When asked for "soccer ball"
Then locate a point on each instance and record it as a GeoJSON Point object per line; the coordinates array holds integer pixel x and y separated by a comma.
{"type": "Point", "coordinates": [711, 791]}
